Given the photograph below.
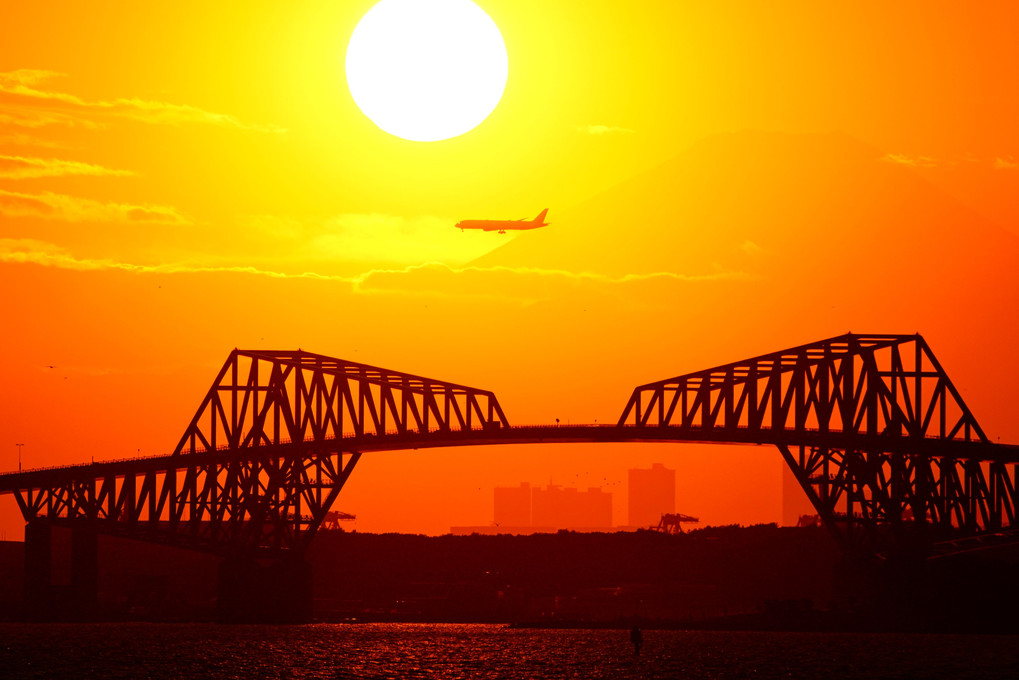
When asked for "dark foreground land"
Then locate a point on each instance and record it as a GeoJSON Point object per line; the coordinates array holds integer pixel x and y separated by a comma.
{"type": "Point", "coordinates": [571, 577]}
{"type": "Point", "coordinates": [737, 578]}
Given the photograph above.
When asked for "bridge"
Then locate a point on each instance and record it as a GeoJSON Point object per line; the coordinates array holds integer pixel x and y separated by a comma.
{"type": "Point", "coordinates": [872, 427]}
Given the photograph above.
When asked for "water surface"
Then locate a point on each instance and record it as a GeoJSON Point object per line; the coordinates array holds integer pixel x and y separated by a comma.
{"type": "Point", "coordinates": [453, 651]}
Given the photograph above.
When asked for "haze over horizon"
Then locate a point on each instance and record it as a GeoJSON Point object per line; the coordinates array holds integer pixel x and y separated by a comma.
{"type": "Point", "coordinates": [721, 183]}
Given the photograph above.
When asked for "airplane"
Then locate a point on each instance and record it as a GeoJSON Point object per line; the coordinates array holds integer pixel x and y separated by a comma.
{"type": "Point", "coordinates": [502, 225]}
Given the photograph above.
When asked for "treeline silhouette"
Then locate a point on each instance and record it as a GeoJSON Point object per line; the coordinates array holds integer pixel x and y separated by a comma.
{"type": "Point", "coordinates": [570, 577]}
{"type": "Point", "coordinates": [757, 577]}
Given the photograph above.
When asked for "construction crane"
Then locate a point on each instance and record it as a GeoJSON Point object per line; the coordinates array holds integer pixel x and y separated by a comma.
{"type": "Point", "coordinates": [672, 523]}
{"type": "Point", "coordinates": [809, 521]}
{"type": "Point", "coordinates": [333, 519]}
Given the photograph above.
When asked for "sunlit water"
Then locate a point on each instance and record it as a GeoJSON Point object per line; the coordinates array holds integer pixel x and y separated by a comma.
{"type": "Point", "coordinates": [139, 651]}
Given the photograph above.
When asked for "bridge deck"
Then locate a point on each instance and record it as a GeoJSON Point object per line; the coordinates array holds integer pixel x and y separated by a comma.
{"type": "Point", "coordinates": [526, 434]}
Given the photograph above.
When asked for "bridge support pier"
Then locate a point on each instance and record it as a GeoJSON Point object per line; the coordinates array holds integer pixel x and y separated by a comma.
{"type": "Point", "coordinates": [38, 570]}
{"type": "Point", "coordinates": [46, 600]}
{"type": "Point", "coordinates": [256, 591]}
{"type": "Point", "coordinates": [84, 599]}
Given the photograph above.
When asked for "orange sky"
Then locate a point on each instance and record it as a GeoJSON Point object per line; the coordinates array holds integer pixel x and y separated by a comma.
{"type": "Point", "coordinates": [177, 180]}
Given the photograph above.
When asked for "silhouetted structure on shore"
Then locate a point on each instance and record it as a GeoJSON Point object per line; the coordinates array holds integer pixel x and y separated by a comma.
{"type": "Point", "coordinates": [650, 494]}
{"type": "Point", "coordinates": [672, 522]}
{"type": "Point", "coordinates": [527, 509]}
{"type": "Point", "coordinates": [872, 427]}
{"type": "Point", "coordinates": [512, 506]}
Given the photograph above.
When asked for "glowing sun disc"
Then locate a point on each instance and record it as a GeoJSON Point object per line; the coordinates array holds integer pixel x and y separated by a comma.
{"type": "Point", "coordinates": [426, 70]}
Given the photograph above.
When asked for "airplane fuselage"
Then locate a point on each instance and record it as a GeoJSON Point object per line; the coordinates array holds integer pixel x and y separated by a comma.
{"type": "Point", "coordinates": [498, 225]}
{"type": "Point", "coordinates": [502, 226]}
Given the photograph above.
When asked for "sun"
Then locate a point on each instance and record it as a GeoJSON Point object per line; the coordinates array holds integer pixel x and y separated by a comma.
{"type": "Point", "coordinates": [426, 70]}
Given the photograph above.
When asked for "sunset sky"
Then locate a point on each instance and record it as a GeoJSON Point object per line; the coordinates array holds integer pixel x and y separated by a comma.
{"type": "Point", "coordinates": [723, 180]}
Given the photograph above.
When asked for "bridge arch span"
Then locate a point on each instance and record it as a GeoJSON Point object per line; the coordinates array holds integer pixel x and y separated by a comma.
{"type": "Point", "coordinates": [871, 425]}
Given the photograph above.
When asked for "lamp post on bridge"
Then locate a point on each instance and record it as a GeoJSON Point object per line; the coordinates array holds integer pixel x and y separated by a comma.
{"type": "Point", "coordinates": [19, 456]}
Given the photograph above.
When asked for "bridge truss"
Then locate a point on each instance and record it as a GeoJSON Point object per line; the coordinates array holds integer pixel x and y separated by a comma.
{"type": "Point", "coordinates": [873, 429]}
{"type": "Point", "coordinates": [268, 451]}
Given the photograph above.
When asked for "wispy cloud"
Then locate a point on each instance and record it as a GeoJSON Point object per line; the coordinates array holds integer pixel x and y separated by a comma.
{"type": "Point", "coordinates": [751, 248]}
{"type": "Point", "coordinates": [599, 130]}
{"type": "Point", "coordinates": [30, 251]}
{"type": "Point", "coordinates": [914, 161]}
{"type": "Point", "coordinates": [1000, 162]}
{"type": "Point", "coordinates": [521, 285]}
{"type": "Point", "coordinates": [34, 118]}
{"type": "Point", "coordinates": [26, 77]}
{"type": "Point", "coordinates": [20, 167]}
{"type": "Point", "coordinates": [550, 273]}
{"type": "Point", "coordinates": [374, 238]}
{"type": "Point", "coordinates": [48, 205]}
{"type": "Point", "coordinates": [22, 139]}
{"type": "Point", "coordinates": [27, 104]}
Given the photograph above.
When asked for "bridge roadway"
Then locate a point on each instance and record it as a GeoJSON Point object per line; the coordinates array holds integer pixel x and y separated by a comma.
{"type": "Point", "coordinates": [932, 447]}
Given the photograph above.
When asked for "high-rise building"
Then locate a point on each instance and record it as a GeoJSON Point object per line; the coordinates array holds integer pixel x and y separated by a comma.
{"type": "Point", "coordinates": [651, 494]}
{"type": "Point", "coordinates": [513, 506]}
{"type": "Point", "coordinates": [569, 508]}
{"type": "Point", "coordinates": [525, 509]}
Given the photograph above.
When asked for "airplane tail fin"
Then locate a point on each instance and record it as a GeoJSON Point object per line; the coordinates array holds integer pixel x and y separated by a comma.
{"type": "Point", "coordinates": [541, 216]}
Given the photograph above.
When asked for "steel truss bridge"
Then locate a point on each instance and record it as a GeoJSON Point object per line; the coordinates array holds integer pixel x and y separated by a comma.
{"type": "Point", "coordinates": [872, 427]}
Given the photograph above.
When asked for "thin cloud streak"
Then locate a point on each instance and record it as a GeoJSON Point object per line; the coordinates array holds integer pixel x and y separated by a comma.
{"type": "Point", "coordinates": [30, 251]}
{"type": "Point", "coordinates": [372, 239]}
{"type": "Point", "coordinates": [515, 284]}
{"type": "Point", "coordinates": [519, 285]}
{"type": "Point", "coordinates": [21, 139]}
{"type": "Point", "coordinates": [998, 163]}
{"type": "Point", "coordinates": [912, 161]}
{"type": "Point", "coordinates": [29, 106]}
{"type": "Point", "coordinates": [593, 277]}
{"type": "Point", "coordinates": [51, 206]}
{"type": "Point", "coordinates": [21, 167]}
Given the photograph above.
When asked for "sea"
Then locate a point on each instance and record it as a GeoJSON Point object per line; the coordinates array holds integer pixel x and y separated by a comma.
{"type": "Point", "coordinates": [137, 651]}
